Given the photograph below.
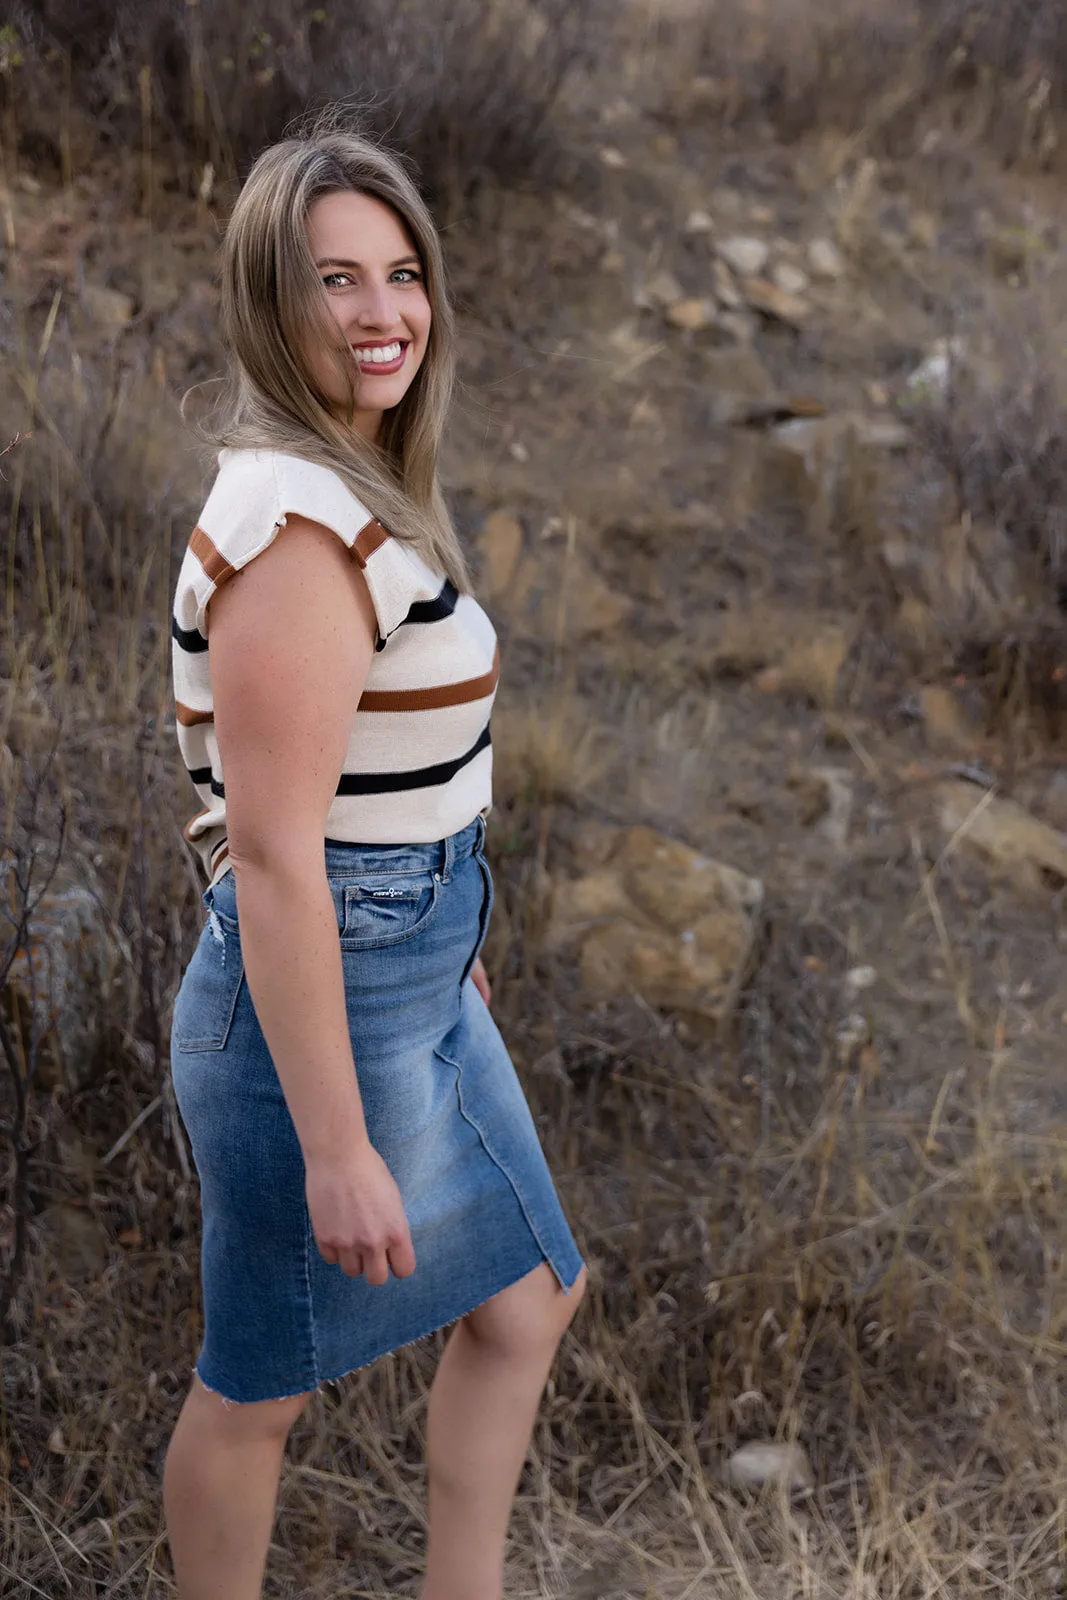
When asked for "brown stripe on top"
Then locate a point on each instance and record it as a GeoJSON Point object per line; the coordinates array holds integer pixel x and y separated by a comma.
{"type": "Point", "coordinates": [372, 537]}
{"type": "Point", "coordinates": [444, 694]}
{"type": "Point", "coordinates": [190, 718]}
{"type": "Point", "coordinates": [187, 830]}
{"type": "Point", "coordinates": [215, 565]}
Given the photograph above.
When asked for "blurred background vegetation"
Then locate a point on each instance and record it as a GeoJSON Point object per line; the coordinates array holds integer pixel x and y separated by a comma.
{"type": "Point", "coordinates": [761, 453]}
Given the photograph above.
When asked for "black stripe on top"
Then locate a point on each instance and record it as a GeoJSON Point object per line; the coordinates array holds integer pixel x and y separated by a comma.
{"type": "Point", "coordinates": [202, 778]}
{"type": "Point", "coordinates": [371, 783]}
{"type": "Point", "coordinates": [368, 783]}
{"type": "Point", "coordinates": [189, 639]}
{"type": "Point", "coordinates": [436, 610]}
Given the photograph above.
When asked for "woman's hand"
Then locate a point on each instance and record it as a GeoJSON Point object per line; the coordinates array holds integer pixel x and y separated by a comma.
{"type": "Point", "coordinates": [357, 1216]}
{"type": "Point", "coordinates": [481, 981]}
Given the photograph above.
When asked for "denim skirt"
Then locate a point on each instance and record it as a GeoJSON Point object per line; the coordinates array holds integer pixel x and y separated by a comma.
{"type": "Point", "coordinates": [443, 1108]}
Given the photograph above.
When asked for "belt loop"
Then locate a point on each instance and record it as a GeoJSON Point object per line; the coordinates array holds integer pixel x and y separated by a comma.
{"type": "Point", "coordinates": [449, 858]}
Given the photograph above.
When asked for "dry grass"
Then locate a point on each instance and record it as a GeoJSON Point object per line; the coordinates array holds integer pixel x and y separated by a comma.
{"type": "Point", "coordinates": [468, 91]}
{"type": "Point", "coordinates": [856, 1246]}
{"type": "Point", "coordinates": [886, 76]}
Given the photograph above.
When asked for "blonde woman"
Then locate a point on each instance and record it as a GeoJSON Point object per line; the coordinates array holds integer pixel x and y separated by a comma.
{"type": "Point", "coordinates": [369, 1168]}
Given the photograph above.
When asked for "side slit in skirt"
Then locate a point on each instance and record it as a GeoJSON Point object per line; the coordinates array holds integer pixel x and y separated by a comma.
{"type": "Point", "coordinates": [443, 1106]}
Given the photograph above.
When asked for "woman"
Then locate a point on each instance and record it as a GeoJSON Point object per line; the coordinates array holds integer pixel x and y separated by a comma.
{"type": "Point", "coordinates": [369, 1168]}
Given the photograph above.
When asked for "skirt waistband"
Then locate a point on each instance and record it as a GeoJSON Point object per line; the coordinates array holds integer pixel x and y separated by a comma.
{"type": "Point", "coordinates": [343, 858]}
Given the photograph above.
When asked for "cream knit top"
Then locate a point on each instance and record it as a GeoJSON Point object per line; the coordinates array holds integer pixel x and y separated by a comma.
{"type": "Point", "coordinates": [419, 761]}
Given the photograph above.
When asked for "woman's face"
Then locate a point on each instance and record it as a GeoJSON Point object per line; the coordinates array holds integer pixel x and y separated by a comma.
{"type": "Point", "coordinates": [374, 289]}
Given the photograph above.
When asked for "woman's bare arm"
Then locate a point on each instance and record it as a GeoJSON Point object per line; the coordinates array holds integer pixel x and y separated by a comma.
{"type": "Point", "coordinates": [291, 639]}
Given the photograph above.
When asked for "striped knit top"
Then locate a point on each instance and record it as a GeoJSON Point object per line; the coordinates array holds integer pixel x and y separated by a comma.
{"type": "Point", "coordinates": [419, 761]}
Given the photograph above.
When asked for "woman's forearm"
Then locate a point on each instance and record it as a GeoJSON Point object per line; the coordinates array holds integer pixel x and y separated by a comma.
{"type": "Point", "coordinates": [292, 958]}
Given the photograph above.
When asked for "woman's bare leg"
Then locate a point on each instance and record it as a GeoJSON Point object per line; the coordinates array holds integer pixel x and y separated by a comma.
{"type": "Point", "coordinates": [482, 1408]}
{"type": "Point", "coordinates": [220, 1485]}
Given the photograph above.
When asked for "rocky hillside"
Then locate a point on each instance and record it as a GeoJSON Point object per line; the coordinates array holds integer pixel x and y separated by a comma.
{"type": "Point", "coordinates": [760, 451]}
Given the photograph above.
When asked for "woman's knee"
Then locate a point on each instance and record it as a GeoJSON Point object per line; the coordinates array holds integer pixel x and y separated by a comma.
{"type": "Point", "coordinates": [529, 1317]}
{"type": "Point", "coordinates": [244, 1423]}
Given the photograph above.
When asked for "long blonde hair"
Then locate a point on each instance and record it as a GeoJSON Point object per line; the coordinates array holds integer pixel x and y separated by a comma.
{"type": "Point", "coordinates": [272, 310]}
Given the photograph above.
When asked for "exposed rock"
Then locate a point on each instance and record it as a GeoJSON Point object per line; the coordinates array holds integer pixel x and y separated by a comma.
{"type": "Point", "coordinates": [658, 919]}
{"type": "Point", "coordinates": [661, 290]}
{"type": "Point", "coordinates": [500, 543]}
{"type": "Point", "coordinates": [725, 286]}
{"type": "Point", "coordinates": [75, 1239]}
{"type": "Point", "coordinates": [1010, 840]}
{"type": "Point", "coordinates": [923, 229]}
{"type": "Point", "coordinates": [825, 260]}
{"type": "Point", "coordinates": [691, 315]}
{"type": "Point", "coordinates": [740, 325]}
{"type": "Point", "coordinates": [790, 279]}
{"type": "Point", "coordinates": [933, 376]}
{"type": "Point", "coordinates": [774, 302]}
{"type": "Point", "coordinates": [810, 460]}
{"type": "Point", "coordinates": [737, 380]}
{"type": "Point", "coordinates": [556, 589]}
{"type": "Point", "coordinates": [826, 800]}
{"type": "Point", "coordinates": [859, 978]}
{"type": "Point", "coordinates": [775, 409]}
{"type": "Point", "coordinates": [108, 309]}
{"type": "Point", "coordinates": [757, 1464]}
{"type": "Point", "coordinates": [745, 256]}
{"type": "Point", "coordinates": [66, 985]}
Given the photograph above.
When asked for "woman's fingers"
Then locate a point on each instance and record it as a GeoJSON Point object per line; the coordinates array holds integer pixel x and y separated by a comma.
{"type": "Point", "coordinates": [402, 1257]}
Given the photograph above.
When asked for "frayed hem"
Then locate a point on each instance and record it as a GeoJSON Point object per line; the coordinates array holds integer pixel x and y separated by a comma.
{"type": "Point", "coordinates": [395, 1349]}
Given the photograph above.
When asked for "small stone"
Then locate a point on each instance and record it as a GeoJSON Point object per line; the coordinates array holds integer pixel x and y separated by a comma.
{"type": "Point", "coordinates": [57, 1444]}
{"type": "Point", "coordinates": [860, 978]}
{"type": "Point", "coordinates": [691, 315]}
{"type": "Point", "coordinates": [699, 222]}
{"type": "Point", "coordinates": [612, 261]}
{"type": "Point", "coordinates": [825, 260]}
{"type": "Point", "coordinates": [740, 325]}
{"type": "Point", "coordinates": [610, 157]}
{"type": "Point", "coordinates": [932, 378]}
{"type": "Point", "coordinates": [851, 1034]}
{"type": "Point", "coordinates": [1013, 843]}
{"type": "Point", "coordinates": [518, 451]}
{"type": "Point", "coordinates": [109, 309]}
{"type": "Point", "coordinates": [790, 279]}
{"type": "Point", "coordinates": [761, 215]}
{"type": "Point", "coordinates": [922, 229]}
{"type": "Point", "coordinates": [774, 302]}
{"type": "Point", "coordinates": [501, 542]}
{"type": "Point", "coordinates": [744, 255]}
{"type": "Point", "coordinates": [725, 285]}
{"type": "Point", "coordinates": [757, 1464]}
{"type": "Point", "coordinates": [661, 290]}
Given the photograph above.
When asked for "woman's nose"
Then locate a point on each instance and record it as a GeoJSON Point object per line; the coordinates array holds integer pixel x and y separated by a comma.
{"type": "Point", "coordinates": [377, 306]}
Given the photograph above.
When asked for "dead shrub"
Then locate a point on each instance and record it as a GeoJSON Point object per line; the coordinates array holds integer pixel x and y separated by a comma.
{"type": "Point", "coordinates": [467, 91]}
{"type": "Point", "coordinates": [998, 583]}
{"type": "Point", "coordinates": [873, 71]}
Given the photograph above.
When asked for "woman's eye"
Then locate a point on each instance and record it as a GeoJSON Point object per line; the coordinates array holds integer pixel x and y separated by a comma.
{"type": "Point", "coordinates": [408, 274]}
{"type": "Point", "coordinates": [336, 280]}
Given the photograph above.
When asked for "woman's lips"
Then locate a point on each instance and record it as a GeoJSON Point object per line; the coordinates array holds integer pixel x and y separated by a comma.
{"type": "Point", "coordinates": [371, 366]}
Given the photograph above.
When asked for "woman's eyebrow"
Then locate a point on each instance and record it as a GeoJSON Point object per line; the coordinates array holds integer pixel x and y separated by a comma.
{"type": "Point", "coordinates": [354, 266]}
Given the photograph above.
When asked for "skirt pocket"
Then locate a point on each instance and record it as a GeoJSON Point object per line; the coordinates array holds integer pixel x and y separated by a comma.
{"type": "Point", "coordinates": [384, 910]}
{"type": "Point", "coordinates": [207, 999]}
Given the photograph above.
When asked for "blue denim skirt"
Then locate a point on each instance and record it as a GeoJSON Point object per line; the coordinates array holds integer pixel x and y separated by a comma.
{"type": "Point", "coordinates": [443, 1107]}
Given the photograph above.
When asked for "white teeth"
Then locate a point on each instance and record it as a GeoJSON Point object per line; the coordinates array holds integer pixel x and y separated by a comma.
{"type": "Point", "coordinates": [380, 355]}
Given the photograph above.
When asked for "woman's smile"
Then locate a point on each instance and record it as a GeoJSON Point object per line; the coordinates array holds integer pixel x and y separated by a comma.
{"type": "Point", "coordinates": [380, 360]}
